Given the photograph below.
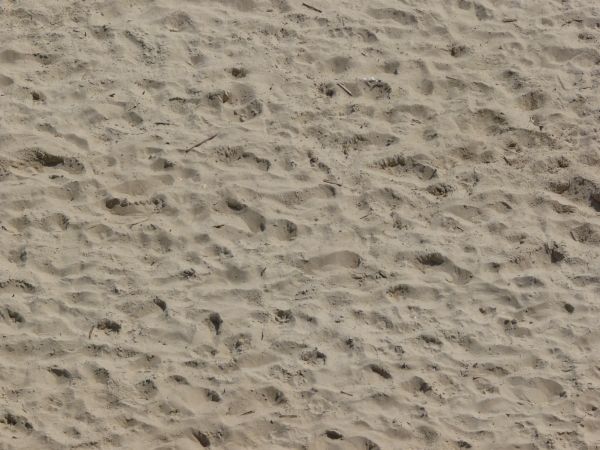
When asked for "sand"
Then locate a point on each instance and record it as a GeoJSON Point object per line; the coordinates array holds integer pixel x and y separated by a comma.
{"type": "Point", "coordinates": [254, 224]}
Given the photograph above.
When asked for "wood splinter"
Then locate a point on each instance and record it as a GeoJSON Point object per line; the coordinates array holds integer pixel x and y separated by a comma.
{"type": "Point", "coordinates": [345, 89]}
{"type": "Point", "coordinates": [193, 147]}
{"type": "Point", "coordinates": [137, 223]}
{"type": "Point", "coordinates": [306, 5]}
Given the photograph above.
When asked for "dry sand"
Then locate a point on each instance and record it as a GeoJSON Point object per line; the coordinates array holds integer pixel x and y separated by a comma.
{"type": "Point", "coordinates": [250, 224]}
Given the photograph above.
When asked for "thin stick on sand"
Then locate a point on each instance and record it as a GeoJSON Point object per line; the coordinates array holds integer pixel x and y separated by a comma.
{"type": "Point", "coordinates": [306, 5]}
{"type": "Point", "coordinates": [345, 89]}
{"type": "Point", "coordinates": [137, 223]}
{"type": "Point", "coordinates": [193, 147]}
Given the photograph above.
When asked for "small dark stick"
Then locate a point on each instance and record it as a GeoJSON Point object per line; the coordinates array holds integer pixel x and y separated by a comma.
{"type": "Point", "coordinates": [210, 138]}
{"type": "Point", "coordinates": [91, 331]}
{"type": "Point", "coordinates": [345, 89]}
{"type": "Point", "coordinates": [137, 223]}
{"type": "Point", "coordinates": [306, 5]}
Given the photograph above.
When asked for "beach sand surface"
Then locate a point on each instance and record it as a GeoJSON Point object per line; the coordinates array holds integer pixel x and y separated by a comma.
{"type": "Point", "coordinates": [266, 224]}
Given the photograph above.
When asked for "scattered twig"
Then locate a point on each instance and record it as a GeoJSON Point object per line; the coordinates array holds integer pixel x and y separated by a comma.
{"type": "Point", "coordinates": [561, 82]}
{"type": "Point", "coordinates": [345, 89]}
{"type": "Point", "coordinates": [91, 331]}
{"type": "Point", "coordinates": [346, 393]}
{"type": "Point", "coordinates": [509, 20]}
{"type": "Point", "coordinates": [366, 215]}
{"type": "Point", "coordinates": [333, 182]}
{"type": "Point", "coordinates": [247, 412]}
{"type": "Point", "coordinates": [137, 223]}
{"type": "Point", "coordinates": [193, 147]}
{"type": "Point", "coordinates": [219, 226]}
{"type": "Point", "coordinates": [262, 272]}
{"type": "Point", "coordinates": [508, 161]}
{"type": "Point", "coordinates": [306, 5]}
